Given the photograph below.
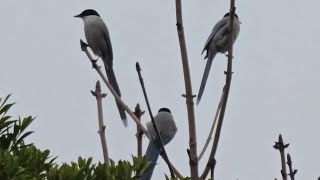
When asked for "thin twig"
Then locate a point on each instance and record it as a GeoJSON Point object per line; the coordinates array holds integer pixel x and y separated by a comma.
{"type": "Point", "coordinates": [176, 172]}
{"type": "Point", "coordinates": [102, 127]}
{"type": "Point", "coordinates": [212, 127]}
{"type": "Point", "coordinates": [281, 147]}
{"type": "Point", "coordinates": [159, 140]}
{"type": "Point", "coordinates": [192, 152]}
{"type": "Point", "coordinates": [226, 93]}
{"type": "Point", "coordinates": [139, 113]}
{"type": "Point", "coordinates": [84, 47]}
{"type": "Point", "coordinates": [212, 171]}
{"type": "Point", "coordinates": [292, 172]}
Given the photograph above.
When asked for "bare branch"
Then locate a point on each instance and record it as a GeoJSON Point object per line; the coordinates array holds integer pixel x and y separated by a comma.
{"type": "Point", "coordinates": [193, 155]}
{"type": "Point", "coordinates": [102, 127]}
{"type": "Point", "coordinates": [212, 127]}
{"type": "Point", "coordinates": [292, 172]}
{"type": "Point", "coordinates": [226, 93]}
{"type": "Point", "coordinates": [212, 169]}
{"type": "Point", "coordinates": [159, 140]}
{"type": "Point", "coordinates": [84, 47]}
{"type": "Point", "coordinates": [139, 133]}
{"type": "Point", "coordinates": [281, 147]}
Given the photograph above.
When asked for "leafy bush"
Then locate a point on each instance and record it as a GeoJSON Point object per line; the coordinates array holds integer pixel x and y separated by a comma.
{"type": "Point", "coordinates": [22, 161]}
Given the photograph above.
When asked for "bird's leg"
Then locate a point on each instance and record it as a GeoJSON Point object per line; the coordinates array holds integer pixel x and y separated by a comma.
{"type": "Point", "coordinates": [227, 55]}
{"type": "Point", "coordinates": [84, 47]}
{"type": "Point", "coordinates": [97, 59]}
{"type": "Point", "coordinates": [94, 63]}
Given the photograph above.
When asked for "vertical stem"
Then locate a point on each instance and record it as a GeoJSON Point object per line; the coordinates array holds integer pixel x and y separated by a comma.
{"type": "Point", "coordinates": [281, 147]}
{"type": "Point", "coordinates": [139, 134]}
{"type": "Point", "coordinates": [193, 155]}
{"type": "Point", "coordinates": [159, 140]}
{"type": "Point", "coordinates": [283, 159]}
{"type": "Point", "coordinates": [291, 171]}
{"type": "Point", "coordinates": [226, 93]}
{"type": "Point", "coordinates": [99, 96]}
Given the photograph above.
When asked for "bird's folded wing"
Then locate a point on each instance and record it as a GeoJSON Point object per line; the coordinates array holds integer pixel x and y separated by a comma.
{"type": "Point", "coordinates": [216, 28]}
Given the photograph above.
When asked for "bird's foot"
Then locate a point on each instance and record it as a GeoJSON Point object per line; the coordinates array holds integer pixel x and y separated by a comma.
{"type": "Point", "coordinates": [97, 59]}
{"type": "Point", "coordinates": [227, 55]}
{"type": "Point", "coordinates": [94, 63]}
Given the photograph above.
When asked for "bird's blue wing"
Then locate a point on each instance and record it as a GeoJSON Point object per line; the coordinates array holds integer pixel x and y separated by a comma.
{"type": "Point", "coordinates": [214, 31]}
{"type": "Point", "coordinates": [108, 41]}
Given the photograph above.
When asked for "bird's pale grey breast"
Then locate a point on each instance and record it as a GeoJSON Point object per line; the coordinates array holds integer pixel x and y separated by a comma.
{"type": "Point", "coordinates": [97, 36]}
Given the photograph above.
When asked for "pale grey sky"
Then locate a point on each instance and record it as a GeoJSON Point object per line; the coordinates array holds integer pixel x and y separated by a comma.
{"type": "Point", "coordinates": [274, 89]}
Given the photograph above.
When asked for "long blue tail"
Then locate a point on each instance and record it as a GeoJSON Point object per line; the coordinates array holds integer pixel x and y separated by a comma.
{"type": "Point", "coordinates": [211, 56]}
{"type": "Point", "coordinates": [153, 152]}
{"type": "Point", "coordinates": [113, 81]}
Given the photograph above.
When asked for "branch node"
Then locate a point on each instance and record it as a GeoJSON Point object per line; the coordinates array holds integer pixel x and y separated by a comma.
{"type": "Point", "coordinates": [192, 96]}
{"type": "Point", "coordinates": [179, 26]}
{"type": "Point", "coordinates": [103, 128]}
{"type": "Point", "coordinates": [226, 72]}
{"type": "Point", "coordinates": [280, 145]}
{"type": "Point", "coordinates": [212, 162]}
{"type": "Point", "coordinates": [94, 93]}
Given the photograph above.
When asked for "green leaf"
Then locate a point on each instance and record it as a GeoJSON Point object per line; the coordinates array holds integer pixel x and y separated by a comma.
{"type": "Point", "coordinates": [5, 108]}
{"type": "Point", "coordinates": [52, 160]}
{"type": "Point", "coordinates": [4, 119]}
{"type": "Point", "coordinates": [25, 123]}
{"type": "Point", "coordinates": [6, 125]}
{"type": "Point", "coordinates": [23, 136]}
{"type": "Point", "coordinates": [5, 100]}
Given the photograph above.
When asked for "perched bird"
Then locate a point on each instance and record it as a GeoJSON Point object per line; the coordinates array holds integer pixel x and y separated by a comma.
{"type": "Point", "coordinates": [167, 129]}
{"type": "Point", "coordinates": [98, 39]}
{"type": "Point", "coordinates": [218, 42]}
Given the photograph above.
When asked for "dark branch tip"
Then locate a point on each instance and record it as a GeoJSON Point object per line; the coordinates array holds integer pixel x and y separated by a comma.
{"type": "Point", "coordinates": [138, 68]}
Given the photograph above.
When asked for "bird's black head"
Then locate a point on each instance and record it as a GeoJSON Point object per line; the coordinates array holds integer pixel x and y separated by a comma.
{"type": "Point", "coordinates": [87, 12]}
{"type": "Point", "coordinates": [164, 110]}
{"type": "Point", "coordinates": [228, 14]}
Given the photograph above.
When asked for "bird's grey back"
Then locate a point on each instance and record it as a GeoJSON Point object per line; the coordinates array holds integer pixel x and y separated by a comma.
{"type": "Point", "coordinates": [218, 31]}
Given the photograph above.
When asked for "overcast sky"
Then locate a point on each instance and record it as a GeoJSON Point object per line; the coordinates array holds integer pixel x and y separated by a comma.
{"type": "Point", "coordinates": [275, 86]}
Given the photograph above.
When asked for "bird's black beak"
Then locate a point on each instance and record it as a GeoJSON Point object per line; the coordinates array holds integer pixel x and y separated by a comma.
{"type": "Point", "coordinates": [77, 16]}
